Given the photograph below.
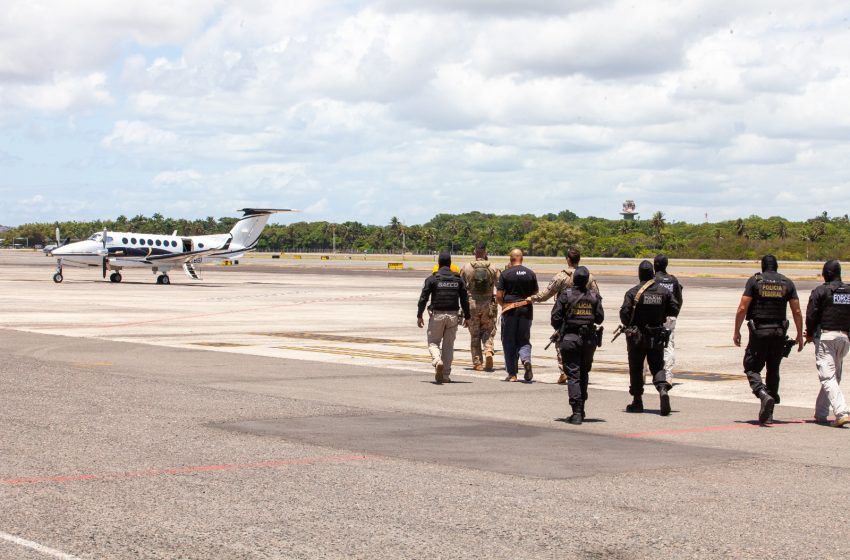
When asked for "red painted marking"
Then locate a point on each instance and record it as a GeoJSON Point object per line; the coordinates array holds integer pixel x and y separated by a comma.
{"type": "Point", "coordinates": [183, 470]}
{"type": "Point", "coordinates": [724, 428]}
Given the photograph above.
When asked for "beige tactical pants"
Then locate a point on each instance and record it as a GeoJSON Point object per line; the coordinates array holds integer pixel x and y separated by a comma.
{"type": "Point", "coordinates": [830, 350]}
{"type": "Point", "coordinates": [442, 331]}
{"type": "Point", "coordinates": [482, 328]}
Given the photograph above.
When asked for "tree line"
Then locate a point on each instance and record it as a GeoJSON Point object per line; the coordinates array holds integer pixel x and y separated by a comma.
{"type": "Point", "coordinates": [818, 238]}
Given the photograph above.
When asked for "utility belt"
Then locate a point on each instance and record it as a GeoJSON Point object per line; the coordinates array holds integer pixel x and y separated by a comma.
{"type": "Point", "coordinates": [589, 334]}
{"type": "Point", "coordinates": [772, 329]}
{"type": "Point", "coordinates": [765, 329]}
{"type": "Point", "coordinates": [648, 337]}
{"type": "Point", "coordinates": [432, 311]}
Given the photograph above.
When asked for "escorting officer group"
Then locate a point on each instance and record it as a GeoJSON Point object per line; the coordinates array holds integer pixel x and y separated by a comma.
{"type": "Point", "coordinates": [471, 297]}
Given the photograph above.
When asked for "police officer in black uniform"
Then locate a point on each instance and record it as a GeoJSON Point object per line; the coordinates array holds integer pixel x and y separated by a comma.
{"type": "Point", "coordinates": [575, 315]}
{"type": "Point", "coordinates": [644, 311]}
{"type": "Point", "coordinates": [671, 283]}
{"type": "Point", "coordinates": [766, 298]}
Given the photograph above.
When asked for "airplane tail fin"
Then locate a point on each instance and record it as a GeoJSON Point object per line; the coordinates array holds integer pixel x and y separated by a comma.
{"type": "Point", "coordinates": [247, 230]}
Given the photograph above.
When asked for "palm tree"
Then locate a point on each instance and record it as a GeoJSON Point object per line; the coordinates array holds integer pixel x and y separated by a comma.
{"type": "Point", "coordinates": [658, 224]}
{"type": "Point", "coordinates": [782, 230]}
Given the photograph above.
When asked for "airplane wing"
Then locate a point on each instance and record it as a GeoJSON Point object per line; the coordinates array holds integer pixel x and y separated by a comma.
{"type": "Point", "coordinates": [181, 258]}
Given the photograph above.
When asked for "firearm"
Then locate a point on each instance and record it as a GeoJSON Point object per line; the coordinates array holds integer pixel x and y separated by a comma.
{"type": "Point", "coordinates": [556, 336]}
{"type": "Point", "coordinates": [789, 345]}
{"type": "Point", "coordinates": [599, 330]}
{"type": "Point", "coordinates": [618, 332]}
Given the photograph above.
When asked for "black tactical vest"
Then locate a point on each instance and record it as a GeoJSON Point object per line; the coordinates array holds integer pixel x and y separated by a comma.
{"type": "Point", "coordinates": [666, 281]}
{"type": "Point", "coordinates": [446, 292]}
{"type": "Point", "coordinates": [581, 308]}
{"type": "Point", "coordinates": [769, 303]}
{"type": "Point", "coordinates": [651, 310]}
{"type": "Point", "coordinates": [836, 309]}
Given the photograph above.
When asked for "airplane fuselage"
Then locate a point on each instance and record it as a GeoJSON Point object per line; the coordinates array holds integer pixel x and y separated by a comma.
{"type": "Point", "coordinates": [116, 250]}
{"type": "Point", "coordinates": [133, 250]}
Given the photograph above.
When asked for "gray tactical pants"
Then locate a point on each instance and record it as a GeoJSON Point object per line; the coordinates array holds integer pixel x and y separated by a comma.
{"type": "Point", "coordinates": [830, 350]}
{"type": "Point", "coordinates": [442, 331]}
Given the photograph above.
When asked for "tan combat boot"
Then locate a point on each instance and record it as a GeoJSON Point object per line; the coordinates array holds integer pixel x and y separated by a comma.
{"type": "Point", "coordinates": [488, 361]}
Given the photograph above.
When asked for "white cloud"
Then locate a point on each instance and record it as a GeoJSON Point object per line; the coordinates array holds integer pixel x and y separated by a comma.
{"type": "Point", "coordinates": [366, 109]}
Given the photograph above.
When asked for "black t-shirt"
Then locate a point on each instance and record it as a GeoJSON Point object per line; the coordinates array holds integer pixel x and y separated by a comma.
{"type": "Point", "coordinates": [518, 283]}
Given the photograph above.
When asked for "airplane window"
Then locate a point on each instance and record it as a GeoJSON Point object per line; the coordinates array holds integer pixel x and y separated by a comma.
{"type": "Point", "coordinates": [174, 244]}
{"type": "Point", "coordinates": [124, 241]}
{"type": "Point", "coordinates": [109, 240]}
{"type": "Point", "coordinates": [95, 237]}
{"type": "Point", "coordinates": [150, 241]}
{"type": "Point", "coordinates": [158, 243]}
{"type": "Point", "coordinates": [200, 245]}
{"type": "Point", "coordinates": [133, 240]}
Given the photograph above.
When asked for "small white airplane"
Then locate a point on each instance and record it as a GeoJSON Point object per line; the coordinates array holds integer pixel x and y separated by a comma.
{"type": "Point", "coordinates": [116, 250]}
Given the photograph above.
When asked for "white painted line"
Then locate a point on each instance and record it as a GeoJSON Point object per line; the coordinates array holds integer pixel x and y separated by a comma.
{"type": "Point", "coordinates": [37, 547]}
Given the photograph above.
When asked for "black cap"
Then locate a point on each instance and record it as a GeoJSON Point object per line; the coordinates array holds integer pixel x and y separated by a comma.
{"type": "Point", "coordinates": [581, 276]}
{"type": "Point", "coordinates": [660, 263]}
{"type": "Point", "coordinates": [645, 271]}
{"type": "Point", "coordinates": [481, 246]}
{"type": "Point", "coordinates": [769, 264]}
{"type": "Point", "coordinates": [831, 270]}
{"type": "Point", "coordinates": [445, 259]}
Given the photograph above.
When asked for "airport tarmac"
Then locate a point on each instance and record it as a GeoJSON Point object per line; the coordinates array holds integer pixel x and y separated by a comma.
{"type": "Point", "coordinates": [266, 414]}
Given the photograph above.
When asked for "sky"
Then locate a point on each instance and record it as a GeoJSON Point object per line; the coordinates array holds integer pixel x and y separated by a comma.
{"type": "Point", "coordinates": [367, 110]}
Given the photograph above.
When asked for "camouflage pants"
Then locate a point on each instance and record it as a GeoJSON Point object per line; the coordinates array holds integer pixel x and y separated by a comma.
{"type": "Point", "coordinates": [482, 328]}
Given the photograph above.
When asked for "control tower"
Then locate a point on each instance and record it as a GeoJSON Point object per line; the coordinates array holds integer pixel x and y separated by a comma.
{"type": "Point", "coordinates": [629, 212]}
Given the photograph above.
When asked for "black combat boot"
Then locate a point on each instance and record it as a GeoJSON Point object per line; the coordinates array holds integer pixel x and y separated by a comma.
{"type": "Point", "coordinates": [636, 406]}
{"type": "Point", "coordinates": [529, 375]}
{"type": "Point", "coordinates": [665, 401]}
{"type": "Point", "coordinates": [578, 414]}
{"type": "Point", "coordinates": [766, 410]}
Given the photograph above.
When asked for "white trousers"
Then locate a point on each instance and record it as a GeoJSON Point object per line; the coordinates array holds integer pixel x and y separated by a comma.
{"type": "Point", "coordinates": [830, 350]}
{"type": "Point", "coordinates": [669, 352]}
{"type": "Point", "coordinates": [442, 331]}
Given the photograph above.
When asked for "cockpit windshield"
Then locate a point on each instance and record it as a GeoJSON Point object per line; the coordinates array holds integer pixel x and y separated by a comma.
{"type": "Point", "coordinates": [96, 237]}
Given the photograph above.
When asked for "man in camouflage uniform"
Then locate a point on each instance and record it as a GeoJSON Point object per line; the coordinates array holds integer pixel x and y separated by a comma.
{"type": "Point", "coordinates": [480, 278]}
{"type": "Point", "coordinates": [562, 280]}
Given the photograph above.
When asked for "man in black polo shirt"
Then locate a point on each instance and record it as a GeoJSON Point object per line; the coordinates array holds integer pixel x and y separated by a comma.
{"type": "Point", "coordinates": [515, 285]}
{"type": "Point", "coordinates": [766, 298]}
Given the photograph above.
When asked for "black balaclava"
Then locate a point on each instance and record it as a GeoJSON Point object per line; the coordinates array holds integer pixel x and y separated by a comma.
{"type": "Point", "coordinates": [581, 276]}
{"type": "Point", "coordinates": [660, 263]}
{"type": "Point", "coordinates": [645, 271]}
{"type": "Point", "coordinates": [832, 271]}
{"type": "Point", "coordinates": [445, 259]}
{"type": "Point", "coordinates": [769, 264]}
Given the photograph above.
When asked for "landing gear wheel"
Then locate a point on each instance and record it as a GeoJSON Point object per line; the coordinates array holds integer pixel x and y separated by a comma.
{"type": "Point", "coordinates": [115, 277]}
{"type": "Point", "coordinates": [164, 279]}
{"type": "Point", "coordinates": [58, 278]}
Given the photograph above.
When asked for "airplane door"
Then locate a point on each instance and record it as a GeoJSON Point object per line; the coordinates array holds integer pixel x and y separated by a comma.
{"type": "Point", "coordinates": [187, 245]}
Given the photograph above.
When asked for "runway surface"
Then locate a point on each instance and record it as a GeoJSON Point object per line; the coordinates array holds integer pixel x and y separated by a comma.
{"type": "Point", "coordinates": [276, 415]}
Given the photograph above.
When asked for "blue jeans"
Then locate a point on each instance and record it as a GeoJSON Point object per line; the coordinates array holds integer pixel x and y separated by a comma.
{"type": "Point", "coordinates": [516, 337]}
